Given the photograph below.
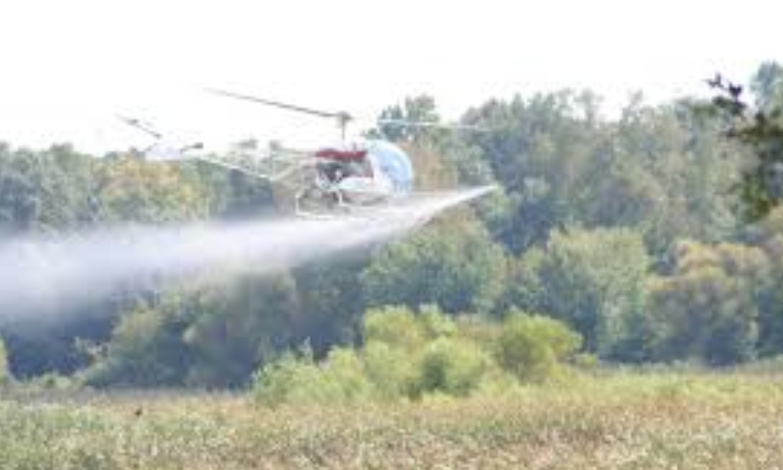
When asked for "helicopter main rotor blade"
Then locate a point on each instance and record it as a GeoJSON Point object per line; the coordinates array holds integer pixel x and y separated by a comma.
{"type": "Point", "coordinates": [341, 115]}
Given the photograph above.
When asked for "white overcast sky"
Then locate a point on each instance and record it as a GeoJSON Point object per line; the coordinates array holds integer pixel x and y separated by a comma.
{"type": "Point", "coordinates": [69, 66]}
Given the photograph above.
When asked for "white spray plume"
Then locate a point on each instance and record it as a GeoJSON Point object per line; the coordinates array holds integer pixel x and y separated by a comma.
{"type": "Point", "coordinates": [47, 276]}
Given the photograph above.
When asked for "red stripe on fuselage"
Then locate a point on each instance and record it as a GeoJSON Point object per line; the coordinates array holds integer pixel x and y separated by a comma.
{"type": "Point", "coordinates": [341, 155]}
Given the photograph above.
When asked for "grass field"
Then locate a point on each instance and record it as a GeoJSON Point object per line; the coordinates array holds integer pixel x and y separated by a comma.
{"type": "Point", "coordinates": [622, 420]}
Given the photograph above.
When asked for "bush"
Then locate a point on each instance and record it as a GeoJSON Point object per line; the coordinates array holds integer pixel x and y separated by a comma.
{"type": "Point", "coordinates": [278, 381]}
{"type": "Point", "coordinates": [394, 326]}
{"type": "Point", "coordinates": [531, 347]}
{"type": "Point", "coordinates": [453, 367]}
{"type": "Point", "coordinates": [293, 379]}
{"type": "Point", "coordinates": [410, 356]}
{"type": "Point", "coordinates": [393, 371]}
{"type": "Point", "coordinates": [594, 280]}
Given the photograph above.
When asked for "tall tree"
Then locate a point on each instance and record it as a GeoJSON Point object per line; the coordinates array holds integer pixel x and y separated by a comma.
{"type": "Point", "coordinates": [593, 280]}
{"type": "Point", "coordinates": [707, 309]}
{"type": "Point", "coordinates": [417, 109]}
{"type": "Point", "coordinates": [759, 129]}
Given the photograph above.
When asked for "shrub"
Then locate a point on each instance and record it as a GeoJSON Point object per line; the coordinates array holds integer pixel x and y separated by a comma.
{"type": "Point", "coordinates": [393, 371]}
{"type": "Point", "coordinates": [411, 356]}
{"type": "Point", "coordinates": [293, 379]}
{"type": "Point", "coordinates": [394, 326]}
{"type": "Point", "coordinates": [276, 382]}
{"type": "Point", "coordinates": [452, 366]}
{"type": "Point", "coordinates": [531, 347]}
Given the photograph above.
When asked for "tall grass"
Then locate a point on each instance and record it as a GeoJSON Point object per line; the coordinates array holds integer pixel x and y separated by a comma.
{"type": "Point", "coordinates": [621, 420]}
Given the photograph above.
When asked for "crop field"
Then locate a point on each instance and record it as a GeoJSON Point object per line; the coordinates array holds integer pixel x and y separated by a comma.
{"type": "Point", "coordinates": [623, 420]}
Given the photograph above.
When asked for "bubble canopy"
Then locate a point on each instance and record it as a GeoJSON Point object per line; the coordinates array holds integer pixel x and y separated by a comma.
{"type": "Point", "coordinates": [393, 162]}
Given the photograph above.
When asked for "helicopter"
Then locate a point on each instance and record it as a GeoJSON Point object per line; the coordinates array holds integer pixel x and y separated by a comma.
{"type": "Point", "coordinates": [353, 177]}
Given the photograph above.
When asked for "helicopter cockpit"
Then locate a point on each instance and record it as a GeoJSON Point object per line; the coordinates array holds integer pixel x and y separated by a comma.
{"type": "Point", "coordinates": [392, 162]}
{"type": "Point", "coordinates": [366, 164]}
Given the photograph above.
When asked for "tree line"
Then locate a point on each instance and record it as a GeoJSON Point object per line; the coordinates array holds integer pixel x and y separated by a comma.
{"type": "Point", "coordinates": [628, 230]}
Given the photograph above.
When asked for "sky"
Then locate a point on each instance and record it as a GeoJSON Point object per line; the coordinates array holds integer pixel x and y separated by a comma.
{"type": "Point", "coordinates": [68, 68]}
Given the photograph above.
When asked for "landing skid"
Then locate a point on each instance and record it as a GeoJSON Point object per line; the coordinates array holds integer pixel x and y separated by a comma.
{"type": "Point", "coordinates": [334, 205]}
{"type": "Point", "coordinates": [330, 202]}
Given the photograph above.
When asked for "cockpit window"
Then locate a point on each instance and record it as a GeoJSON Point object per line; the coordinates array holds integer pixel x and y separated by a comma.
{"type": "Point", "coordinates": [394, 163]}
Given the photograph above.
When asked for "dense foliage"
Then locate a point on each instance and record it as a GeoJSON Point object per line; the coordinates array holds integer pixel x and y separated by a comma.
{"type": "Point", "coordinates": [408, 356]}
{"type": "Point", "coordinates": [628, 230]}
{"type": "Point", "coordinates": [455, 265]}
{"type": "Point", "coordinates": [759, 127]}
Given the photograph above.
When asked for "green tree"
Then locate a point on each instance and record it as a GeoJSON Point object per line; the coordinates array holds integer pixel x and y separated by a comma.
{"type": "Point", "coordinates": [759, 129]}
{"type": "Point", "coordinates": [241, 325]}
{"type": "Point", "coordinates": [331, 302]}
{"type": "Point", "coordinates": [214, 336]}
{"type": "Point", "coordinates": [707, 308]}
{"type": "Point", "coordinates": [658, 169]}
{"type": "Point", "coordinates": [133, 190]}
{"type": "Point", "coordinates": [669, 176]}
{"type": "Point", "coordinates": [594, 280]}
{"type": "Point", "coordinates": [400, 121]}
{"type": "Point", "coordinates": [146, 348]}
{"type": "Point", "coordinates": [767, 235]}
{"type": "Point", "coordinates": [539, 149]}
{"type": "Point", "coordinates": [455, 266]}
{"type": "Point", "coordinates": [44, 191]}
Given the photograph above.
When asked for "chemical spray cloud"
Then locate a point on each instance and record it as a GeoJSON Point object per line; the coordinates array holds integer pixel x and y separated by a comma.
{"type": "Point", "coordinates": [45, 276]}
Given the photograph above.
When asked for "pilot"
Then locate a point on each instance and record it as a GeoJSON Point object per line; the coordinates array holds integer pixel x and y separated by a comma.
{"type": "Point", "coordinates": [337, 164]}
